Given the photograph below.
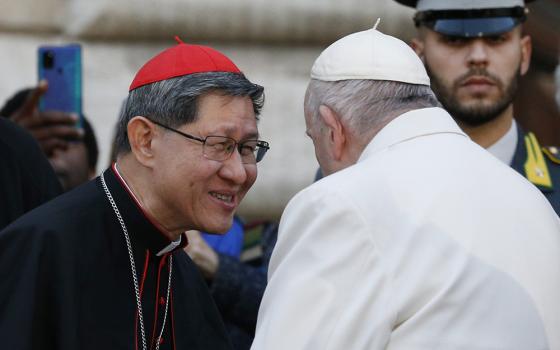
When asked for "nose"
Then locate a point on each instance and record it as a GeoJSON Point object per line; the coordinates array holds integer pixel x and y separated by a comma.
{"type": "Point", "coordinates": [233, 169]}
{"type": "Point", "coordinates": [477, 54]}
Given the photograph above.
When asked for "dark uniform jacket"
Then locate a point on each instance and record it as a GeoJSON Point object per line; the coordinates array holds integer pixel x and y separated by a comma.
{"type": "Point", "coordinates": [238, 287]}
{"type": "Point", "coordinates": [540, 165]}
{"type": "Point", "coordinates": [27, 179]}
{"type": "Point", "coordinates": [66, 280]}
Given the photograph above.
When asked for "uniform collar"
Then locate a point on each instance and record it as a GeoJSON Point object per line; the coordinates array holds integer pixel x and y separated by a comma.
{"type": "Point", "coordinates": [504, 148]}
{"type": "Point", "coordinates": [141, 227]}
{"type": "Point", "coordinates": [410, 125]}
{"type": "Point", "coordinates": [525, 161]}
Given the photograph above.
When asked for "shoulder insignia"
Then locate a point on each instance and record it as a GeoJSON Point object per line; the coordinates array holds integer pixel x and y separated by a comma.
{"type": "Point", "coordinates": [536, 169]}
{"type": "Point", "coordinates": [553, 153]}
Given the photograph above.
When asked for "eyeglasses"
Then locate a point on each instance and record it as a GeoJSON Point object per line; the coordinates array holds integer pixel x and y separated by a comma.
{"type": "Point", "coordinates": [221, 148]}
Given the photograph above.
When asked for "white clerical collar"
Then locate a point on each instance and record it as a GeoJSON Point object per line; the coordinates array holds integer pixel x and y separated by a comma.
{"type": "Point", "coordinates": [504, 148]}
{"type": "Point", "coordinates": [170, 246]}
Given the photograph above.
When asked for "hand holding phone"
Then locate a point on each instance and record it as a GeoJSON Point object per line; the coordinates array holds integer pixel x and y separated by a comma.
{"type": "Point", "coordinates": [51, 129]}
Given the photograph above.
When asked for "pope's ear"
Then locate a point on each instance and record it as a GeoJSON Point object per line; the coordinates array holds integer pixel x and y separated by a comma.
{"type": "Point", "coordinates": [141, 133]}
{"type": "Point", "coordinates": [336, 131]}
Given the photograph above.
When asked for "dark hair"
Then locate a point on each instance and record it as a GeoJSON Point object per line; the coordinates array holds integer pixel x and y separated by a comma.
{"type": "Point", "coordinates": [90, 141]}
{"type": "Point", "coordinates": [174, 102]}
{"type": "Point", "coordinates": [14, 102]}
{"type": "Point", "coordinates": [18, 99]}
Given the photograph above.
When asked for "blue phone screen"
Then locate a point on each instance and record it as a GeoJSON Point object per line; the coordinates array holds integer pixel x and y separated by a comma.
{"type": "Point", "coordinates": [61, 67]}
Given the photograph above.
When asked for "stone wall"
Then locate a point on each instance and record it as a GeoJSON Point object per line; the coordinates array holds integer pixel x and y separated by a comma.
{"type": "Point", "coordinates": [287, 21]}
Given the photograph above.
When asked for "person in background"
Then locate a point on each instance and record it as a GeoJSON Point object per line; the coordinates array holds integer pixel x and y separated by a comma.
{"type": "Point", "coordinates": [475, 52]}
{"type": "Point", "coordinates": [51, 129]}
{"type": "Point", "coordinates": [74, 160]}
{"type": "Point", "coordinates": [416, 237]}
{"type": "Point", "coordinates": [26, 178]}
{"type": "Point", "coordinates": [230, 243]}
{"type": "Point", "coordinates": [102, 265]}
{"type": "Point", "coordinates": [236, 286]}
{"type": "Point", "coordinates": [77, 164]}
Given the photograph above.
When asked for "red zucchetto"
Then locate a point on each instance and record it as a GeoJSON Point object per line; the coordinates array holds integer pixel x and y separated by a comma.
{"type": "Point", "coordinates": [182, 59]}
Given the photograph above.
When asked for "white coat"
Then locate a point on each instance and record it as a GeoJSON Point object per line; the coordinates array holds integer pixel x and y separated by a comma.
{"type": "Point", "coordinates": [427, 242]}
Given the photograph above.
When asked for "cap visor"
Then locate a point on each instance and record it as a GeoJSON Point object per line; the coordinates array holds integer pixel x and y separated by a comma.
{"type": "Point", "coordinates": [475, 27]}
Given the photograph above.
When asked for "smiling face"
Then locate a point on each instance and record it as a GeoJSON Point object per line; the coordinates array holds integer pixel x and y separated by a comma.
{"type": "Point", "coordinates": [196, 192]}
{"type": "Point", "coordinates": [475, 79]}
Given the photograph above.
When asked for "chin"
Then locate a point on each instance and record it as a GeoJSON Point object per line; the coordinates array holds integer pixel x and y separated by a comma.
{"type": "Point", "coordinates": [219, 227]}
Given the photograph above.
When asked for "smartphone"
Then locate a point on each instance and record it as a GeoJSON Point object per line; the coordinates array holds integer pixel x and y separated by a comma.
{"type": "Point", "coordinates": [61, 66]}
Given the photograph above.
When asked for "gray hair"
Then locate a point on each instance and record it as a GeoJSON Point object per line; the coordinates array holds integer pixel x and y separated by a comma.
{"type": "Point", "coordinates": [174, 102]}
{"type": "Point", "coordinates": [367, 105]}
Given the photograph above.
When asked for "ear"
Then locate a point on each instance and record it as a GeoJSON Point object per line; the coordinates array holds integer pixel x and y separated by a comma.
{"type": "Point", "coordinates": [141, 133]}
{"type": "Point", "coordinates": [336, 133]}
{"type": "Point", "coordinates": [418, 47]}
{"type": "Point", "coordinates": [526, 50]}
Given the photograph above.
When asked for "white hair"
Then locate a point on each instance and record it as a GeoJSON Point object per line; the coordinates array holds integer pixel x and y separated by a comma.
{"type": "Point", "coordinates": [367, 105]}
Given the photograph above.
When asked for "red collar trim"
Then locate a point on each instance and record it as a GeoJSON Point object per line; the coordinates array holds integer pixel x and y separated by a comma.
{"type": "Point", "coordinates": [150, 218]}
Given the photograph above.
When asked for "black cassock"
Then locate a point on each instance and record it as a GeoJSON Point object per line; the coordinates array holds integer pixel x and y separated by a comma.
{"type": "Point", "coordinates": [66, 281]}
{"type": "Point", "coordinates": [27, 180]}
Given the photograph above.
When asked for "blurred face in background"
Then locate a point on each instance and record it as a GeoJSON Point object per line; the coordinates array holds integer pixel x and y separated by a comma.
{"type": "Point", "coordinates": [71, 165]}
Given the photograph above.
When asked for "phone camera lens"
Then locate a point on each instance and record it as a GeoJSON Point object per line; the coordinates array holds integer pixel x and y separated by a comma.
{"type": "Point", "coordinates": [48, 59]}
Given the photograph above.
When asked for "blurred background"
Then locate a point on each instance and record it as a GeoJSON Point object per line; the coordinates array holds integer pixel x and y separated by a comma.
{"type": "Point", "coordinates": [273, 42]}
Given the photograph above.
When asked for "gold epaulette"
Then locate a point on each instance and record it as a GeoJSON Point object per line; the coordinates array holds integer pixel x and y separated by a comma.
{"type": "Point", "coordinates": [536, 169]}
{"type": "Point", "coordinates": [553, 153]}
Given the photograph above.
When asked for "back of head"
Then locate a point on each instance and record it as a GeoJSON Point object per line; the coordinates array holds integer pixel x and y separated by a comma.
{"type": "Point", "coordinates": [369, 55]}
{"type": "Point", "coordinates": [368, 78]}
{"type": "Point", "coordinates": [167, 88]}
